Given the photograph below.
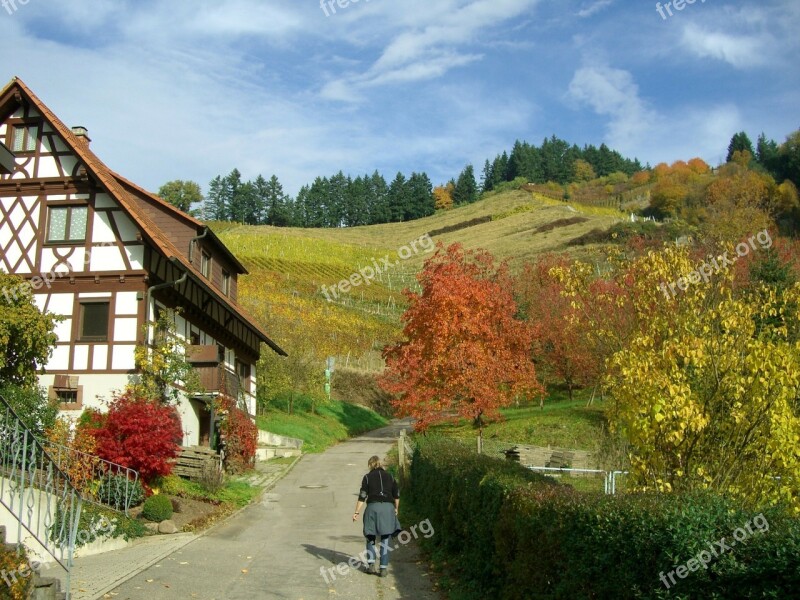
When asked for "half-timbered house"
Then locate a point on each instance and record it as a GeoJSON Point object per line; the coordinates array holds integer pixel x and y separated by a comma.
{"type": "Point", "coordinates": [107, 256]}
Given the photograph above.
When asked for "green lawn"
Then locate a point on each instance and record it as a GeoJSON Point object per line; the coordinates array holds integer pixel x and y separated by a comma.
{"type": "Point", "coordinates": [234, 491]}
{"type": "Point", "coordinates": [562, 423]}
{"type": "Point", "coordinates": [333, 422]}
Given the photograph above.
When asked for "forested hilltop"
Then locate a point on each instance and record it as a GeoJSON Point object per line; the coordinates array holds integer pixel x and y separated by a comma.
{"type": "Point", "coordinates": [343, 201]}
{"type": "Point", "coordinates": [591, 175]}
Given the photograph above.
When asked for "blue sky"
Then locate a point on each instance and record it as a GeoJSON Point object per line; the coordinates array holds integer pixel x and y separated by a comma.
{"type": "Point", "coordinates": [188, 89]}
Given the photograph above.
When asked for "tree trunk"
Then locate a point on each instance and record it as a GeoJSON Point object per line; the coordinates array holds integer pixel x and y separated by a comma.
{"type": "Point", "coordinates": [480, 433]}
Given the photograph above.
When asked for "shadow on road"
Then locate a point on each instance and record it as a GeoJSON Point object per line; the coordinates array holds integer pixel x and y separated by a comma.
{"type": "Point", "coordinates": [333, 556]}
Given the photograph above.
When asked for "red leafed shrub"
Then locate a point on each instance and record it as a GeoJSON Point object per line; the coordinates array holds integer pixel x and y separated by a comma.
{"type": "Point", "coordinates": [144, 435]}
{"type": "Point", "coordinates": [240, 437]}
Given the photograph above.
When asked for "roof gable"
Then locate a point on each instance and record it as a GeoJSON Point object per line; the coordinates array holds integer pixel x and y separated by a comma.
{"type": "Point", "coordinates": [129, 195]}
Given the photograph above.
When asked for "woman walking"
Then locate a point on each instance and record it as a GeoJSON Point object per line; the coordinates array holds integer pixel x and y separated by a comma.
{"type": "Point", "coordinates": [379, 490]}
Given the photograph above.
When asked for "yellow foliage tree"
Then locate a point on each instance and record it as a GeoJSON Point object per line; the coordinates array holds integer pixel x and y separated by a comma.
{"type": "Point", "coordinates": [443, 197]}
{"type": "Point", "coordinates": [705, 393]}
{"type": "Point", "coordinates": [583, 170]}
{"type": "Point", "coordinates": [163, 367]}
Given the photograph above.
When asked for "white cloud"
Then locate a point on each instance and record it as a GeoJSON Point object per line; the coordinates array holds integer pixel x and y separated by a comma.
{"type": "Point", "coordinates": [430, 50]}
{"type": "Point", "coordinates": [613, 92]}
{"type": "Point", "coordinates": [636, 128]}
{"type": "Point", "coordinates": [740, 51]}
{"type": "Point", "coordinates": [594, 8]}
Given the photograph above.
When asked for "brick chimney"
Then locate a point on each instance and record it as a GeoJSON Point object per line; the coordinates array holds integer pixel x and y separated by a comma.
{"type": "Point", "coordinates": [82, 134]}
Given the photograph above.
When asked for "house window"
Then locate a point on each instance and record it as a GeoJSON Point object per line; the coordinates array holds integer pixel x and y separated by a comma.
{"type": "Point", "coordinates": [205, 265]}
{"type": "Point", "coordinates": [67, 396]}
{"type": "Point", "coordinates": [67, 223]}
{"type": "Point", "coordinates": [226, 283]}
{"type": "Point", "coordinates": [66, 391]}
{"type": "Point", "coordinates": [94, 321]}
{"type": "Point", "coordinates": [25, 138]}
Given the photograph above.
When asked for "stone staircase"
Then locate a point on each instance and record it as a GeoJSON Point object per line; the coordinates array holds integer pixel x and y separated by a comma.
{"type": "Point", "coordinates": [44, 588]}
{"type": "Point", "coordinates": [271, 445]}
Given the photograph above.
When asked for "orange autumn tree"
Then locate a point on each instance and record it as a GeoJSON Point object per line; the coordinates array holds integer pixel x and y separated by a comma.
{"type": "Point", "coordinates": [560, 347]}
{"type": "Point", "coordinates": [465, 354]}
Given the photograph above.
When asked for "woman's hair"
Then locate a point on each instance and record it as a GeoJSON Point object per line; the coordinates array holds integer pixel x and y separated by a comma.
{"type": "Point", "coordinates": [374, 463]}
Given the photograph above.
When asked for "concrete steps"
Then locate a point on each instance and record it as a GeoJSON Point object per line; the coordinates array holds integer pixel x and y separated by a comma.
{"type": "Point", "coordinates": [264, 453]}
{"type": "Point", "coordinates": [272, 445]}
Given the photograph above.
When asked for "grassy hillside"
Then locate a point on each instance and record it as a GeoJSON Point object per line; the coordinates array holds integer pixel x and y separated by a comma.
{"type": "Point", "coordinates": [333, 422]}
{"type": "Point", "coordinates": [288, 267]}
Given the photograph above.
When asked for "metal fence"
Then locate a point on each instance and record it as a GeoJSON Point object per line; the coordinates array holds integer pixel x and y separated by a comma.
{"type": "Point", "coordinates": [583, 479]}
{"type": "Point", "coordinates": [37, 492]}
{"type": "Point", "coordinates": [101, 482]}
{"type": "Point", "coordinates": [609, 477]}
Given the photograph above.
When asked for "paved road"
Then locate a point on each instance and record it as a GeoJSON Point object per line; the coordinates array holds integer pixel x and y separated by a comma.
{"type": "Point", "coordinates": [279, 547]}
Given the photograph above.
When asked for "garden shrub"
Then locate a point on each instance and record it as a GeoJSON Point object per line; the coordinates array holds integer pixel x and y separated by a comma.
{"type": "Point", "coordinates": [239, 436]}
{"type": "Point", "coordinates": [143, 435]}
{"type": "Point", "coordinates": [212, 478]}
{"type": "Point", "coordinates": [511, 534]}
{"type": "Point", "coordinates": [114, 488]}
{"type": "Point", "coordinates": [96, 523]}
{"type": "Point", "coordinates": [157, 508]}
{"type": "Point", "coordinates": [36, 411]}
{"type": "Point", "coordinates": [17, 582]}
{"type": "Point", "coordinates": [171, 485]}
{"type": "Point", "coordinates": [81, 465]}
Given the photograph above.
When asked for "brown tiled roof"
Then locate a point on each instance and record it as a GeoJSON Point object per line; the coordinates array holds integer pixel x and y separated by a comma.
{"type": "Point", "coordinates": [114, 185]}
{"type": "Point", "coordinates": [179, 214]}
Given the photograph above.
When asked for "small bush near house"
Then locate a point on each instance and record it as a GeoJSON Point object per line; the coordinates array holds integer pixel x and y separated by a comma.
{"type": "Point", "coordinates": [143, 435]}
{"type": "Point", "coordinates": [170, 485]}
{"type": "Point", "coordinates": [157, 508]}
{"type": "Point", "coordinates": [17, 580]}
{"type": "Point", "coordinates": [74, 453]}
{"type": "Point", "coordinates": [239, 436]}
{"type": "Point", "coordinates": [96, 523]}
{"type": "Point", "coordinates": [32, 406]}
{"type": "Point", "coordinates": [115, 489]}
{"type": "Point", "coordinates": [212, 478]}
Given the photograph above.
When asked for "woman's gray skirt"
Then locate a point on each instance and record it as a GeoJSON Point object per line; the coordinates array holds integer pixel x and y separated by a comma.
{"type": "Point", "coordinates": [381, 520]}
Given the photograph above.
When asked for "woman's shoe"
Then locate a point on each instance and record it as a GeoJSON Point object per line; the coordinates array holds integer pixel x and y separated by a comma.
{"type": "Point", "coordinates": [384, 572]}
{"type": "Point", "coordinates": [370, 568]}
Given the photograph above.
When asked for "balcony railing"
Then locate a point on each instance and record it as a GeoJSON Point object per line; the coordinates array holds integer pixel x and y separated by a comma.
{"type": "Point", "coordinates": [219, 379]}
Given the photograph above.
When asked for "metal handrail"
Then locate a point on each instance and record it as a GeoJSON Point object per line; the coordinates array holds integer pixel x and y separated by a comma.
{"type": "Point", "coordinates": [37, 492]}
{"type": "Point", "coordinates": [100, 479]}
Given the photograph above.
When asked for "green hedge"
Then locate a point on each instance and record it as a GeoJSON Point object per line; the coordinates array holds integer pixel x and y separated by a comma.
{"type": "Point", "coordinates": [509, 533]}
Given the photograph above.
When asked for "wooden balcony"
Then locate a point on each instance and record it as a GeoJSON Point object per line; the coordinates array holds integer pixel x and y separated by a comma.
{"type": "Point", "coordinates": [214, 375]}
{"type": "Point", "coordinates": [219, 379]}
